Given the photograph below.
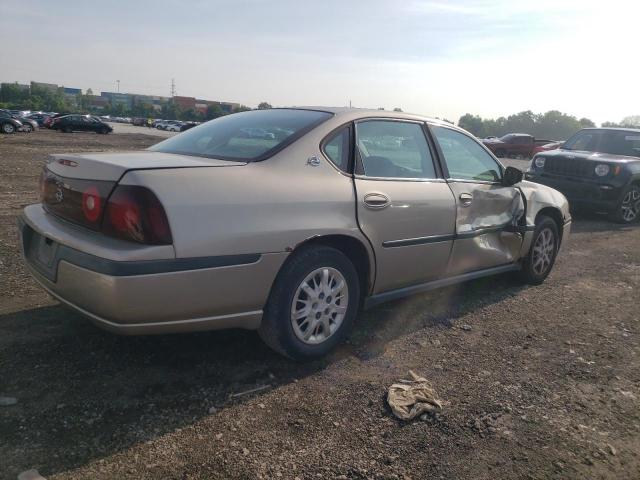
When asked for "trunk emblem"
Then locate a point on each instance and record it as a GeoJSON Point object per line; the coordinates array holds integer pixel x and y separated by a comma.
{"type": "Point", "coordinates": [59, 193]}
{"type": "Point", "coordinates": [313, 161]}
{"type": "Point", "coordinates": [68, 163]}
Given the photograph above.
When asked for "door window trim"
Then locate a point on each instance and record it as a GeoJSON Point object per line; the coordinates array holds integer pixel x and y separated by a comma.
{"type": "Point", "coordinates": [443, 160]}
{"type": "Point", "coordinates": [358, 168]}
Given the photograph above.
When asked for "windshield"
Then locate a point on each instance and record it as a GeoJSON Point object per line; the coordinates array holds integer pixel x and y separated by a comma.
{"type": "Point", "coordinates": [248, 136]}
{"type": "Point", "coordinates": [615, 142]}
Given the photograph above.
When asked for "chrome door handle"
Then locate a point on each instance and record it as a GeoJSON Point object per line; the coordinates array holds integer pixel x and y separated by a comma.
{"type": "Point", "coordinates": [376, 201]}
{"type": "Point", "coordinates": [466, 199]}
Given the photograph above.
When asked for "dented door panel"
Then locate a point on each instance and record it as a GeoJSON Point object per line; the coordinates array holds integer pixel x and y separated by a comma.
{"type": "Point", "coordinates": [485, 211]}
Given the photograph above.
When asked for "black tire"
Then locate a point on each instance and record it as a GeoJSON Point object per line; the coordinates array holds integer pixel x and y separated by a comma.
{"type": "Point", "coordinates": [8, 128]}
{"type": "Point", "coordinates": [67, 129]}
{"type": "Point", "coordinates": [530, 272]}
{"type": "Point", "coordinates": [501, 153]}
{"type": "Point", "coordinates": [276, 329]}
{"type": "Point", "coordinates": [27, 128]}
{"type": "Point", "coordinates": [103, 131]}
{"type": "Point", "coordinates": [624, 215]}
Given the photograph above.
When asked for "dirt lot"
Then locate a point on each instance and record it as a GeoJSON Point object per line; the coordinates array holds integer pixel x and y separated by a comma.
{"type": "Point", "coordinates": [537, 382]}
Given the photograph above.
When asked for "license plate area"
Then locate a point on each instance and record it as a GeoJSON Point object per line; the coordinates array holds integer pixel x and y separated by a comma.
{"type": "Point", "coordinates": [41, 252]}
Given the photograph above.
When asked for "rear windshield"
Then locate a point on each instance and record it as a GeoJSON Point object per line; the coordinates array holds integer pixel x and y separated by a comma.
{"type": "Point", "coordinates": [615, 142]}
{"type": "Point", "coordinates": [249, 136]}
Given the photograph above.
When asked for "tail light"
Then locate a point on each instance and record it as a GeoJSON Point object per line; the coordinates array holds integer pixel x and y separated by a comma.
{"type": "Point", "coordinates": [131, 213]}
{"type": "Point", "coordinates": [135, 213]}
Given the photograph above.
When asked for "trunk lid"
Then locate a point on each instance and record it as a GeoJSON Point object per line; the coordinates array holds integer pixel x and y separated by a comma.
{"type": "Point", "coordinates": [76, 187]}
{"type": "Point", "coordinates": [111, 166]}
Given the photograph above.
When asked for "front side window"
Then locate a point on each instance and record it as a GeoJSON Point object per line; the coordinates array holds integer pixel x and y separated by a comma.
{"type": "Point", "coordinates": [245, 136]}
{"type": "Point", "coordinates": [464, 157]}
{"type": "Point", "coordinates": [394, 149]}
{"type": "Point", "coordinates": [337, 148]}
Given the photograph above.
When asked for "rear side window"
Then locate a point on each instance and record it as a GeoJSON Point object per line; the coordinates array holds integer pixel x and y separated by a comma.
{"type": "Point", "coordinates": [337, 148]}
{"type": "Point", "coordinates": [246, 136]}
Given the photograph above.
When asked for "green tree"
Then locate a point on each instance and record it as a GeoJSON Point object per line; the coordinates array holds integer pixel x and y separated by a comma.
{"type": "Point", "coordinates": [264, 106]}
{"type": "Point", "coordinates": [241, 108]}
{"type": "Point", "coordinates": [214, 111]}
{"type": "Point", "coordinates": [631, 121]}
{"type": "Point", "coordinates": [472, 124]}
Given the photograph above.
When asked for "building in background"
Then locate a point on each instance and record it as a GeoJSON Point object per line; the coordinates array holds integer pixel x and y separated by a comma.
{"type": "Point", "coordinates": [115, 99]}
{"type": "Point", "coordinates": [52, 87]}
{"type": "Point", "coordinates": [71, 95]}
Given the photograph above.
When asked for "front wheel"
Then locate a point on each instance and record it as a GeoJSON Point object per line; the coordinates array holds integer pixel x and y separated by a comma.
{"type": "Point", "coordinates": [628, 209]}
{"type": "Point", "coordinates": [27, 128]}
{"type": "Point", "coordinates": [542, 254]}
{"type": "Point", "coordinates": [8, 128]}
{"type": "Point", "coordinates": [313, 304]}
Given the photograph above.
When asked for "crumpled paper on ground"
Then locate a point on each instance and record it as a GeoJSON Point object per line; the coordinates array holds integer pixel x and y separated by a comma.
{"type": "Point", "coordinates": [412, 398]}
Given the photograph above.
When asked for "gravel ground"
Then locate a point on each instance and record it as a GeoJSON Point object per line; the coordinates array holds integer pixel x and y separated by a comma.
{"type": "Point", "coordinates": [537, 382]}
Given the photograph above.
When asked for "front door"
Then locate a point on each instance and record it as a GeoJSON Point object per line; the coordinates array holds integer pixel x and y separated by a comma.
{"type": "Point", "coordinates": [486, 210]}
{"type": "Point", "coordinates": [405, 207]}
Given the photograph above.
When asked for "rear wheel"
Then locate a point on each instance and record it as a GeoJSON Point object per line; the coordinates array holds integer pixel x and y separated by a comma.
{"type": "Point", "coordinates": [67, 129]}
{"type": "Point", "coordinates": [8, 128]}
{"type": "Point", "coordinates": [27, 128]}
{"type": "Point", "coordinates": [628, 209]}
{"type": "Point", "coordinates": [542, 254]}
{"type": "Point", "coordinates": [312, 304]}
{"type": "Point", "coordinates": [103, 131]}
{"type": "Point", "coordinates": [501, 153]}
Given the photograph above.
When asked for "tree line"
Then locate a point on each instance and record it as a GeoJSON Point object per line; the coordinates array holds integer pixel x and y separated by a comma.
{"type": "Point", "coordinates": [552, 125]}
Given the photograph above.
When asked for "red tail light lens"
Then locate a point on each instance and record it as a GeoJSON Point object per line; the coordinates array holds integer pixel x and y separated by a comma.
{"type": "Point", "coordinates": [135, 213]}
{"type": "Point", "coordinates": [91, 204]}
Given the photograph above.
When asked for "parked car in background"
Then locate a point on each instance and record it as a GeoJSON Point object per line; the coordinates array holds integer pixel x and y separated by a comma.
{"type": "Point", "coordinates": [512, 145]}
{"type": "Point", "coordinates": [164, 125]}
{"type": "Point", "coordinates": [188, 125]}
{"type": "Point", "coordinates": [28, 124]}
{"type": "Point", "coordinates": [8, 124]}
{"type": "Point", "coordinates": [546, 146]}
{"type": "Point", "coordinates": [597, 169]}
{"type": "Point", "coordinates": [259, 133]}
{"type": "Point", "coordinates": [49, 121]}
{"type": "Point", "coordinates": [39, 118]}
{"type": "Point", "coordinates": [287, 236]}
{"type": "Point", "coordinates": [174, 127]}
{"type": "Point", "coordinates": [81, 123]}
{"type": "Point", "coordinates": [139, 121]}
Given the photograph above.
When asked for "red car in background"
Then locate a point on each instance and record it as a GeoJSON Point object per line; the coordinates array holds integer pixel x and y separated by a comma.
{"type": "Point", "coordinates": [511, 145]}
{"type": "Point", "coordinates": [546, 147]}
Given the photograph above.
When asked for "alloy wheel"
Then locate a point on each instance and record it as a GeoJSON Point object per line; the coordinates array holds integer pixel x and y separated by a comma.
{"type": "Point", "coordinates": [319, 305]}
{"type": "Point", "coordinates": [630, 207]}
{"type": "Point", "coordinates": [8, 128]}
{"type": "Point", "coordinates": [543, 251]}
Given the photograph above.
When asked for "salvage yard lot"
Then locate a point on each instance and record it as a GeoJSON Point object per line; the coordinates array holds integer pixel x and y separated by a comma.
{"type": "Point", "coordinates": [537, 382]}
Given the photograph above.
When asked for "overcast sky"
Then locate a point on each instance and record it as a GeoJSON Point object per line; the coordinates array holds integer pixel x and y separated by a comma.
{"type": "Point", "coordinates": [440, 58]}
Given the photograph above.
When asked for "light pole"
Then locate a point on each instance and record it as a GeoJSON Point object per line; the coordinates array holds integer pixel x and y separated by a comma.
{"type": "Point", "coordinates": [118, 85]}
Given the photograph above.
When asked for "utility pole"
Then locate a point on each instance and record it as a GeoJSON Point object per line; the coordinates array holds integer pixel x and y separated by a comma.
{"type": "Point", "coordinates": [118, 85]}
{"type": "Point", "coordinates": [173, 87]}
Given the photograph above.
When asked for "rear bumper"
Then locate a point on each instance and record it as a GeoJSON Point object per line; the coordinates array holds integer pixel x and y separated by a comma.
{"type": "Point", "coordinates": [581, 192]}
{"type": "Point", "coordinates": [153, 296]}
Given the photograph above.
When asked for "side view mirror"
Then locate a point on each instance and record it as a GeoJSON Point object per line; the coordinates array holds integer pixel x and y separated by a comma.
{"type": "Point", "coordinates": [511, 176]}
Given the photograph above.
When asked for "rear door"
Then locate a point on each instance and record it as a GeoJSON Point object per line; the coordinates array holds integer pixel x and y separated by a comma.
{"type": "Point", "coordinates": [404, 206]}
{"type": "Point", "coordinates": [486, 210]}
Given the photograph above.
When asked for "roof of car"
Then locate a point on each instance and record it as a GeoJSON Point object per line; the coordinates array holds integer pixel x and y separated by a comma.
{"type": "Point", "coordinates": [371, 112]}
{"type": "Point", "coordinates": [620, 129]}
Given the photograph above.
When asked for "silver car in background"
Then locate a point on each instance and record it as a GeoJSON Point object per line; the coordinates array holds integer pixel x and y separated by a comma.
{"type": "Point", "coordinates": [290, 232]}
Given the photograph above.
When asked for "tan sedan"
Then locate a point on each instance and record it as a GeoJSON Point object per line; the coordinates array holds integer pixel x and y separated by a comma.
{"type": "Point", "coordinates": [288, 221]}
